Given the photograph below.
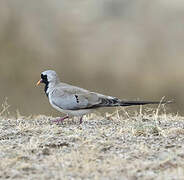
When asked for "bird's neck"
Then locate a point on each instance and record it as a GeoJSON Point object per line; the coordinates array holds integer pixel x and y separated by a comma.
{"type": "Point", "coordinates": [49, 87]}
{"type": "Point", "coordinates": [46, 88]}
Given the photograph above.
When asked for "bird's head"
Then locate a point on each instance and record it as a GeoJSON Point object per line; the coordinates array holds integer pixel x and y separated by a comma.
{"type": "Point", "coordinates": [48, 77]}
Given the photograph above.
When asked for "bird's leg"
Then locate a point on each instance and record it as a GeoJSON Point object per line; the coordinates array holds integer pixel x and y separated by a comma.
{"type": "Point", "coordinates": [61, 119]}
{"type": "Point", "coordinates": [81, 120]}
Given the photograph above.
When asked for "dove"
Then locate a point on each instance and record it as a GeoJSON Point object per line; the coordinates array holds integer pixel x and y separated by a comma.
{"type": "Point", "coordinates": [76, 101]}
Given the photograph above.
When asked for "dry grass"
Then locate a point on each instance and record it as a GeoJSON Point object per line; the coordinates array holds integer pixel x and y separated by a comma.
{"type": "Point", "coordinates": [144, 145]}
{"type": "Point", "coordinates": [124, 48]}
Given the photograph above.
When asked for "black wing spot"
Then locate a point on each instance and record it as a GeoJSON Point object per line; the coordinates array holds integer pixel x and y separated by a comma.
{"type": "Point", "coordinates": [77, 98]}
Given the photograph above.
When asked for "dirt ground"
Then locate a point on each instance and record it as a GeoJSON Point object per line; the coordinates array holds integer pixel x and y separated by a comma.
{"type": "Point", "coordinates": [143, 146]}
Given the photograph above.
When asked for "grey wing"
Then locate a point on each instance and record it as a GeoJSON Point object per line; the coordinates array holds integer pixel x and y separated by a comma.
{"type": "Point", "coordinates": [74, 99]}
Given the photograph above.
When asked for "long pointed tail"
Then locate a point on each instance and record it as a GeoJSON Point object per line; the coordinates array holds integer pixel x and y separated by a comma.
{"type": "Point", "coordinates": [112, 102]}
{"type": "Point", "coordinates": [131, 103]}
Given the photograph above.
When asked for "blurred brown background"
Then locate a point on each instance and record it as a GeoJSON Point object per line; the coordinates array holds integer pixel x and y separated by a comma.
{"type": "Point", "coordinates": [126, 48]}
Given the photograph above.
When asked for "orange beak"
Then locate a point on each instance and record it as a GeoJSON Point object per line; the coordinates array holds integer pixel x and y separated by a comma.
{"type": "Point", "coordinates": [38, 83]}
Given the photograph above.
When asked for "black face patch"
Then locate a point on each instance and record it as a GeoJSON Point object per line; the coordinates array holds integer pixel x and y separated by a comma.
{"type": "Point", "coordinates": [46, 82]}
{"type": "Point", "coordinates": [44, 78]}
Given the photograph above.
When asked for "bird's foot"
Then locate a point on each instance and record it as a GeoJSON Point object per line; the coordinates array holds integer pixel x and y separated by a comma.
{"type": "Point", "coordinates": [60, 119]}
{"type": "Point", "coordinates": [81, 120]}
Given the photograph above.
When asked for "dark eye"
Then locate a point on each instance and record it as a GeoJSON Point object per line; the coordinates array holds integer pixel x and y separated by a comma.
{"type": "Point", "coordinates": [44, 77]}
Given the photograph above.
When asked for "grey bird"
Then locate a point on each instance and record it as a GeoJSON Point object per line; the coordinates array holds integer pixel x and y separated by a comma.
{"type": "Point", "coordinates": [76, 101]}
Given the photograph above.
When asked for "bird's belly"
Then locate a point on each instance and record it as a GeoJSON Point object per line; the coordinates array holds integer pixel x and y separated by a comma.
{"type": "Point", "coordinates": [71, 112]}
{"type": "Point", "coordinates": [76, 112]}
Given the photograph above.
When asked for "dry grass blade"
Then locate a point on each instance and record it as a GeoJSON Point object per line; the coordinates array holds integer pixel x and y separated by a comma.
{"type": "Point", "coordinates": [5, 107]}
{"type": "Point", "coordinates": [123, 146]}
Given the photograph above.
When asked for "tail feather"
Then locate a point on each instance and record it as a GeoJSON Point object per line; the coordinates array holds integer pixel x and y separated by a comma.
{"type": "Point", "coordinates": [131, 103]}
{"type": "Point", "coordinates": [110, 102]}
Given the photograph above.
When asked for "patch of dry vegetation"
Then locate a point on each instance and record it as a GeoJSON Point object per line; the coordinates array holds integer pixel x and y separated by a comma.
{"type": "Point", "coordinates": [143, 145]}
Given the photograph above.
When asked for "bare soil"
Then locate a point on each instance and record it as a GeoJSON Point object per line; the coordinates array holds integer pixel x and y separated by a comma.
{"type": "Point", "coordinates": [114, 146]}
